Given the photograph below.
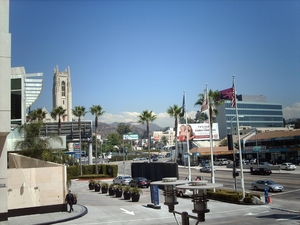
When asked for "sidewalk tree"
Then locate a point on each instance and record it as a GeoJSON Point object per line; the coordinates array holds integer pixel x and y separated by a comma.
{"type": "Point", "coordinates": [79, 111]}
{"type": "Point", "coordinates": [147, 117]}
{"type": "Point", "coordinates": [96, 111]}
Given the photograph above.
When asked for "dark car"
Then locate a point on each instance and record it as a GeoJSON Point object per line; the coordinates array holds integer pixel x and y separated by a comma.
{"type": "Point", "coordinates": [260, 171]}
{"type": "Point", "coordinates": [140, 182]}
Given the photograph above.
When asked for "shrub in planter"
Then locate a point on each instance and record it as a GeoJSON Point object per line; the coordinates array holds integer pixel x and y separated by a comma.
{"type": "Point", "coordinates": [127, 192]}
{"type": "Point", "coordinates": [135, 194]}
{"type": "Point", "coordinates": [119, 191]}
{"type": "Point", "coordinates": [111, 189]}
{"type": "Point", "coordinates": [92, 184]}
{"type": "Point", "coordinates": [104, 187]}
{"type": "Point", "coordinates": [97, 187]}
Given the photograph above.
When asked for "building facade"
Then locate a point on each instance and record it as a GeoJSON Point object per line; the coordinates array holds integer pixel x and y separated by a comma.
{"type": "Point", "coordinates": [5, 103]}
{"type": "Point", "coordinates": [256, 113]}
{"type": "Point", "coordinates": [62, 91]}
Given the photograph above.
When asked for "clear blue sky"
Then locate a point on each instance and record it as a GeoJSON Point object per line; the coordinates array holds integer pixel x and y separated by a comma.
{"type": "Point", "coordinates": [130, 56]}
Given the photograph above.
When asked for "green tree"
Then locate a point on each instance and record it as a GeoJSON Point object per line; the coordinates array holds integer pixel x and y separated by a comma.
{"type": "Point", "coordinates": [175, 112]}
{"type": "Point", "coordinates": [147, 117]}
{"type": "Point", "coordinates": [37, 114]}
{"type": "Point", "coordinates": [58, 112]}
{"type": "Point", "coordinates": [214, 102]}
{"type": "Point", "coordinates": [114, 140]}
{"type": "Point", "coordinates": [164, 140]}
{"type": "Point", "coordinates": [79, 111]}
{"type": "Point", "coordinates": [123, 129]}
{"type": "Point", "coordinates": [33, 145]}
{"type": "Point", "coordinates": [96, 111]}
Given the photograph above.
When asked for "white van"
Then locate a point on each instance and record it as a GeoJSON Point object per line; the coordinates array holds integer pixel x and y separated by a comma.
{"type": "Point", "coordinates": [221, 162]}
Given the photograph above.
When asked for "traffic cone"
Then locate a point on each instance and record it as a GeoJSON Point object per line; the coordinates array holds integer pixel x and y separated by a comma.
{"type": "Point", "coordinates": [269, 200]}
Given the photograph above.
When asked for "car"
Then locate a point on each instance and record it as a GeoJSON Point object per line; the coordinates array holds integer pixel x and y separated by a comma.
{"type": "Point", "coordinates": [206, 169]}
{"type": "Point", "coordinates": [287, 166]}
{"type": "Point", "coordinates": [139, 182]}
{"type": "Point", "coordinates": [221, 162]}
{"type": "Point", "coordinates": [184, 192]}
{"type": "Point", "coordinates": [253, 161]}
{"type": "Point", "coordinates": [154, 159]}
{"type": "Point", "coordinates": [123, 180]}
{"type": "Point", "coordinates": [260, 171]}
{"type": "Point", "coordinates": [271, 185]}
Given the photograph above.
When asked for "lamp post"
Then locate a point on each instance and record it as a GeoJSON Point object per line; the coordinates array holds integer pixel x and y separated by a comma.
{"type": "Point", "coordinates": [234, 160]}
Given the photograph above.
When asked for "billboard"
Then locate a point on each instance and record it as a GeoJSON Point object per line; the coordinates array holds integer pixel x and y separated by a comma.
{"type": "Point", "coordinates": [130, 137]}
{"type": "Point", "coordinates": [200, 131]}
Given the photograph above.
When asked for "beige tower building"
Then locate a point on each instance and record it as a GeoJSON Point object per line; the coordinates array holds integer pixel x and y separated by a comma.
{"type": "Point", "coordinates": [62, 91]}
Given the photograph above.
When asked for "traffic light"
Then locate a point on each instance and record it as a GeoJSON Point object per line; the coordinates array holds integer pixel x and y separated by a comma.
{"type": "Point", "coordinates": [234, 173]}
{"type": "Point", "coordinates": [230, 141]}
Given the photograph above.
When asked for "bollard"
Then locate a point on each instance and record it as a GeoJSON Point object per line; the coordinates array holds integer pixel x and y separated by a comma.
{"type": "Point", "coordinates": [266, 195]}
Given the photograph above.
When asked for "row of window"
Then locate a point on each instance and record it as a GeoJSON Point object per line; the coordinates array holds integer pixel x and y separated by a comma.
{"type": "Point", "coordinates": [242, 105]}
{"type": "Point", "coordinates": [254, 112]}
{"type": "Point", "coordinates": [254, 118]}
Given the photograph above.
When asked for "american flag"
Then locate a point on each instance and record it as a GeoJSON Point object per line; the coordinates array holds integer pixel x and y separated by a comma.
{"type": "Point", "coordinates": [233, 96]}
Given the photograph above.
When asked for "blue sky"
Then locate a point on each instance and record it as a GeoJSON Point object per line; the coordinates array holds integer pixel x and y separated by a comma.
{"type": "Point", "coordinates": [131, 56]}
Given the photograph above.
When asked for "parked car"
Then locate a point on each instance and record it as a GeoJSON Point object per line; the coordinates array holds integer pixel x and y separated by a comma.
{"type": "Point", "coordinates": [123, 180]}
{"type": "Point", "coordinates": [206, 169]}
{"type": "Point", "coordinates": [260, 171]}
{"type": "Point", "coordinates": [287, 166]}
{"type": "Point", "coordinates": [140, 182]}
{"type": "Point", "coordinates": [271, 185]}
{"type": "Point", "coordinates": [221, 162]}
{"type": "Point", "coordinates": [253, 161]}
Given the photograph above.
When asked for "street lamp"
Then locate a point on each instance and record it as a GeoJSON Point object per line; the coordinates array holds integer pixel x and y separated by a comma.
{"type": "Point", "coordinates": [234, 160]}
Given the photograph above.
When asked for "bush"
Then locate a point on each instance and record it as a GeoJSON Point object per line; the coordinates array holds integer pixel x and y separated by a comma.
{"type": "Point", "coordinates": [230, 196]}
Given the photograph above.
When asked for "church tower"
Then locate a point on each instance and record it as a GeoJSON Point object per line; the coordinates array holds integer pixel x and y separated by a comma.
{"type": "Point", "coordinates": [62, 91]}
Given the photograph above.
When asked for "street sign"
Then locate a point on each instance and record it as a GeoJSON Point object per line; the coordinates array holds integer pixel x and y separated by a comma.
{"type": "Point", "coordinates": [256, 148]}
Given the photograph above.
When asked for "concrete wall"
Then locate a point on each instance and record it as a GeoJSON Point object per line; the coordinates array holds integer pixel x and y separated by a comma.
{"type": "Point", "coordinates": [42, 185]}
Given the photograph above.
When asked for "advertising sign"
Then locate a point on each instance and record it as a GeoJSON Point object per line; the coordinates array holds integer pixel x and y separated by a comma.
{"type": "Point", "coordinates": [76, 150]}
{"type": "Point", "coordinates": [130, 137]}
{"type": "Point", "coordinates": [200, 131]}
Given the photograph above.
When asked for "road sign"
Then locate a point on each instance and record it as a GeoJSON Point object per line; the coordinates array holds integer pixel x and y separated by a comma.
{"type": "Point", "coordinates": [256, 148]}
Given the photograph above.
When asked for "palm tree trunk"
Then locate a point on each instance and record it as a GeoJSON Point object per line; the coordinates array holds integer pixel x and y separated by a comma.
{"type": "Point", "coordinates": [148, 133]}
{"type": "Point", "coordinates": [79, 127]}
{"type": "Point", "coordinates": [96, 150]}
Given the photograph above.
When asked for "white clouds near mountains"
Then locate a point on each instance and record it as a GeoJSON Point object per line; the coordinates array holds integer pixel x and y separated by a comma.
{"type": "Point", "coordinates": [164, 120]}
{"type": "Point", "coordinates": [292, 112]}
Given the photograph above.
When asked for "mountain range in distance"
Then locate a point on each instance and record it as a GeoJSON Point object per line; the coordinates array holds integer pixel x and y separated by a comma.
{"type": "Point", "coordinates": [105, 129]}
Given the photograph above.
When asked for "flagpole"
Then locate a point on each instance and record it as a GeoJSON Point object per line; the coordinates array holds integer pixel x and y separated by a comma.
{"type": "Point", "coordinates": [187, 140]}
{"type": "Point", "coordinates": [239, 140]}
{"type": "Point", "coordinates": [210, 139]}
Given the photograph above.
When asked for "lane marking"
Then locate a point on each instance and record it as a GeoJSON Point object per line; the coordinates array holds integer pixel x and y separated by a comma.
{"type": "Point", "coordinates": [128, 212]}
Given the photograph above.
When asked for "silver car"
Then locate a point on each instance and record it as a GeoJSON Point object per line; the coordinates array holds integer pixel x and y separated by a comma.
{"type": "Point", "coordinates": [123, 180]}
{"type": "Point", "coordinates": [206, 169]}
{"type": "Point", "coordinates": [271, 185]}
{"type": "Point", "coordinates": [287, 166]}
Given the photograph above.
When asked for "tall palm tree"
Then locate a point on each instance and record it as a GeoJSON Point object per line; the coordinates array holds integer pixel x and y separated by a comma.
{"type": "Point", "coordinates": [147, 117]}
{"type": "Point", "coordinates": [79, 111]}
{"type": "Point", "coordinates": [175, 112]}
{"type": "Point", "coordinates": [214, 101]}
{"type": "Point", "coordinates": [37, 115]}
{"type": "Point", "coordinates": [96, 111]}
{"type": "Point", "coordinates": [60, 112]}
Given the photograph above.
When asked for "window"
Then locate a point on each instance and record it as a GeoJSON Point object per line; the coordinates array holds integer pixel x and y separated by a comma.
{"type": "Point", "coordinates": [63, 88]}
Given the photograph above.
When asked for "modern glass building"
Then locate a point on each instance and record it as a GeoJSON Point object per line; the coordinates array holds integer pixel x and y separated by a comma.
{"type": "Point", "coordinates": [255, 114]}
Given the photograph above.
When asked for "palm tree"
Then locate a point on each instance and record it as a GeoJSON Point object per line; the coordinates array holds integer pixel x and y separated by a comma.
{"type": "Point", "coordinates": [79, 111]}
{"type": "Point", "coordinates": [175, 112]}
{"type": "Point", "coordinates": [147, 117]}
{"type": "Point", "coordinates": [60, 112]}
{"type": "Point", "coordinates": [96, 111]}
{"type": "Point", "coordinates": [214, 101]}
{"type": "Point", "coordinates": [37, 115]}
